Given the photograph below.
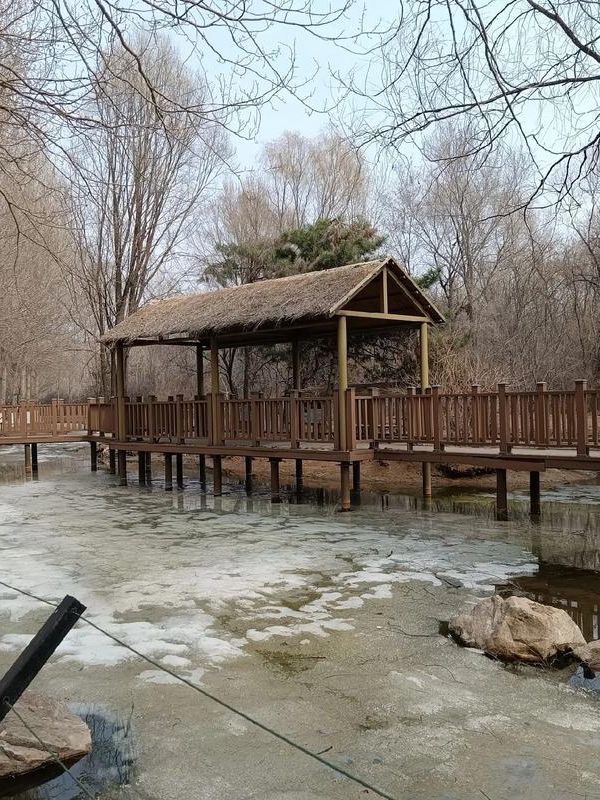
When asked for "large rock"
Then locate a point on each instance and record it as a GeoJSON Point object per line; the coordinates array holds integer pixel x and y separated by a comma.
{"type": "Point", "coordinates": [589, 654]}
{"type": "Point", "coordinates": [517, 629]}
{"type": "Point", "coordinates": [21, 752]}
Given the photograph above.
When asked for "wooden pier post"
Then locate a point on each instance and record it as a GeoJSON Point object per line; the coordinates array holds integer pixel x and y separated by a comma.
{"type": "Point", "coordinates": [501, 495]}
{"type": "Point", "coordinates": [34, 461]}
{"type": "Point", "coordinates": [168, 472]}
{"type": "Point", "coordinates": [275, 489]}
{"type": "Point", "coordinates": [112, 462]}
{"type": "Point", "coordinates": [424, 369]}
{"type": "Point", "coordinates": [179, 469]}
{"type": "Point", "coordinates": [217, 476]}
{"type": "Point", "coordinates": [93, 457]}
{"type": "Point", "coordinates": [202, 471]}
{"type": "Point", "coordinates": [356, 477]}
{"type": "Point", "coordinates": [345, 499]}
{"type": "Point", "coordinates": [535, 506]}
{"type": "Point", "coordinates": [248, 478]}
{"type": "Point", "coordinates": [27, 451]}
{"type": "Point", "coordinates": [141, 468]}
{"type": "Point", "coordinates": [148, 468]}
{"type": "Point", "coordinates": [299, 475]}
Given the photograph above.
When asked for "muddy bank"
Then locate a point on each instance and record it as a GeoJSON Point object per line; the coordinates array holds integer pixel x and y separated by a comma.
{"type": "Point", "coordinates": [395, 476]}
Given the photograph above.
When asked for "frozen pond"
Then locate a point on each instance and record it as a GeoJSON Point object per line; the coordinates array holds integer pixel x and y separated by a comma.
{"type": "Point", "coordinates": [247, 599]}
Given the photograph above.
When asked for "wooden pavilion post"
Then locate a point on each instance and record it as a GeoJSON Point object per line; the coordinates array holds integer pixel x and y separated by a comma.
{"type": "Point", "coordinates": [215, 388]}
{"type": "Point", "coordinates": [200, 394]}
{"type": "Point", "coordinates": [424, 373]}
{"type": "Point", "coordinates": [342, 347]}
{"type": "Point", "coordinates": [121, 422]}
{"type": "Point", "coordinates": [341, 436]}
{"type": "Point", "coordinates": [295, 407]}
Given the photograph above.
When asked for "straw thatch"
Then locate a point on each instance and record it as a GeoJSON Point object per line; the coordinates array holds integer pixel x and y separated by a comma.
{"type": "Point", "coordinates": [303, 298]}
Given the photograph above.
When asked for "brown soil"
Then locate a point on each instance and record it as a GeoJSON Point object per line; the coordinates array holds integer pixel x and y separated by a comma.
{"type": "Point", "coordinates": [394, 476]}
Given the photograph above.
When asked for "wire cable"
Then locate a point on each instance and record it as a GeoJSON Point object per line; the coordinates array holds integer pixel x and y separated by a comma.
{"type": "Point", "coordinates": [223, 703]}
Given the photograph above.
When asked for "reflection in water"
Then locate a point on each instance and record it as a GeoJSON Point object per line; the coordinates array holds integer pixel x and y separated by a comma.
{"type": "Point", "coordinates": [574, 590]}
{"type": "Point", "coordinates": [108, 765]}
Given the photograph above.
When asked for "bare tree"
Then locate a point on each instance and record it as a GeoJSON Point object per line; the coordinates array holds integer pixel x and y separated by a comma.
{"type": "Point", "coordinates": [527, 70]}
{"type": "Point", "coordinates": [53, 58]}
{"type": "Point", "coordinates": [137, 186]}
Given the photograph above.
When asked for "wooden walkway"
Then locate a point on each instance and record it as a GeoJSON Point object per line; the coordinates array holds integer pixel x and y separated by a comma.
{"type": "Point", "coordinates": [503, 430]}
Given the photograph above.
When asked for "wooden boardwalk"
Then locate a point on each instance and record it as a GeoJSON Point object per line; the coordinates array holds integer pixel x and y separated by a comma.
{"type": "Point", "coordinates": [502, 430]}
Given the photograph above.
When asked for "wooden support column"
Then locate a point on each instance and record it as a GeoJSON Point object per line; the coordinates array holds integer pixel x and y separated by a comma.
{"type": "Point", "coordinates": [217, 476]}
{"type": "Point", "coordinates": [93, 457]}
{"type": "Point", "coordinates": [345, 499]}
{"type": "Point", "coordinates": [148, 468]}
{"type": "Point", "coordinates": [141, 468]}
{"type": "Point", "coordinates": [200, 394]}
{"type": "Point", "coordinates": [179, 470]}
{"type": "Point", "coordinates": [248, 478]}
{"type": "Point", "coordinates": [275, 489]}
{"type": "Point", "coordinates": [112, 466]}
{"type": "Point", "coordinates": [501, 495]}
{"type": "Point", "coordinates": [535, 507]}
{"type": "Point", "coordinates": [424, 373]}
{"type": "Point", "coordinates": [168, 472]}
{"type": "Point", "coordinates": [342, 347]}
{"type": "Point", "coordinates": [121, 421]}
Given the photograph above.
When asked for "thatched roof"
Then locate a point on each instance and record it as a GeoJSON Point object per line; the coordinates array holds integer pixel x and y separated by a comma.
{"type": "Point", "coordinates": [271, 304]}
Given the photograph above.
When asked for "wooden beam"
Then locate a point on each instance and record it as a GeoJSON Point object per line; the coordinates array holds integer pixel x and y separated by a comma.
{"type": "Point", "coordinates": [342, 348]}
{"type": "Point", "coordinates": [38, 651]}
{"type": "Point", "coordinates": [385, 306]}
{"type": "Point", "coordinates": [378, 315]}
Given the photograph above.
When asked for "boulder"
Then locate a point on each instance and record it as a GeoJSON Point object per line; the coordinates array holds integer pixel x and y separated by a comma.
{"type": "Point", "coordinates": [589, 654]}
{"type": "Point", "coordinates": [517, 629]}
{"type": "Point", "coordinates": [21, 752]}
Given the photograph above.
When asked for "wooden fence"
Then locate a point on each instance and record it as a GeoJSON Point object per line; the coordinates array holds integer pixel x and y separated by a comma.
{"type": "Point", "coordinates": [31, 420]}
{"type": "Point", "coordinates": [501, 419]}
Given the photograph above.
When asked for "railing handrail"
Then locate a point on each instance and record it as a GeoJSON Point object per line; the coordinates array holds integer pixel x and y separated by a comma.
{"type": "Point", "coordinates": [505, 418]}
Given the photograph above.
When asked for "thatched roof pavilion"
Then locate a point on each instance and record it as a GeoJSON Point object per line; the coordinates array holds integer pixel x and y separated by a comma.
{"type": "Point", "coordinates": [375, 295]}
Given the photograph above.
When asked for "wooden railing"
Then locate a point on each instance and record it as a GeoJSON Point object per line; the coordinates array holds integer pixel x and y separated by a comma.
{"type": "Point", "coordinates": [28, 420]}
{"type": "Point", "coordinates": [500, 419]}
